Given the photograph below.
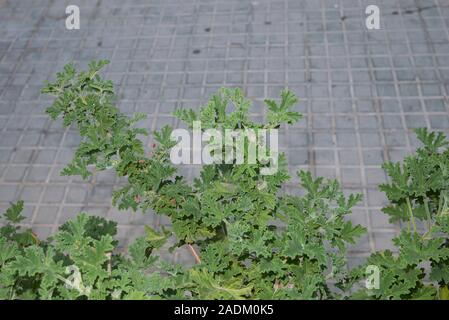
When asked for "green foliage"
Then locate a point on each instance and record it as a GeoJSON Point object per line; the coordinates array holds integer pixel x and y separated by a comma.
{"type": "Point", "coordinates": [249, 240]}
{"type": "Point", "coordinates": [10, 231]}
{"type": "Point", "coordinates": [418, 194]}
{"type": "Point", "coordinates": [421, 183]}
{"type": "Point", "coordinates": [79, 262]}
{"type": "Point", "coordinates": [314, 244]}
{"type": "Point", "coordinates": [85, 100]}
{"type": "Point", "coordinates": [278, 114]}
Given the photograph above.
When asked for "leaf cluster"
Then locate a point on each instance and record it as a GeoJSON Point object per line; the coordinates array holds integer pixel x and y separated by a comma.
{"type": "Point", "coordinates": [80, 261]}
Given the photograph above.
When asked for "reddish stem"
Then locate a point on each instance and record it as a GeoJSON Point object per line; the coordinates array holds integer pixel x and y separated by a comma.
{"type": "Point", "coordinates": [193, 252]}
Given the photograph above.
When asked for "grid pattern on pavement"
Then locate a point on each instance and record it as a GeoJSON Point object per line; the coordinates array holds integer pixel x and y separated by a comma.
{"type": "Point", "coordinates": [361, 91]}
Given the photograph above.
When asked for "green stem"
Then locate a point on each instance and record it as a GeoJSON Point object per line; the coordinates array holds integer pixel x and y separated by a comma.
{"type": "Point", "coordinates": [440, 203]}
{"type": "Point", "coordinates": [429, 218]}
{"type": "Point", "coordinates": [412, 218]}
{"type": "Point", "coordinates": [11, 292]}
{"type": "Point", "coordinates": [444, 203]}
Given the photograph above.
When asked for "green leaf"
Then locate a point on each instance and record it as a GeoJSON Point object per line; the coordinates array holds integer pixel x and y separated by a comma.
{"type": "Point", "coordinates": [349, 233]}
{"type": "Point", "coordinates": [156, 239]}
{"type": "Point", "coordinates": [8, 251]}
{"type": "Point", "coordinates": [210, 288]}
{"type": "Point", "coordinates": [14, 213]}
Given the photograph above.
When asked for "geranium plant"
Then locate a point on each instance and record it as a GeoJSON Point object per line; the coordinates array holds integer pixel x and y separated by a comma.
{"type": "Point", "coordinates": [248, 239]}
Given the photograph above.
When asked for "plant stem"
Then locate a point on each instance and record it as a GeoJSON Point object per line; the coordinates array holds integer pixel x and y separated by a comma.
{"type": "Point", "coordinates": [429, 218]}
{"type": "Point", "coordinates": [440, 203]}
{"type": "Point", "coordinates": [11, 292]}
{"type": "Point", "coordinates": [195, 255]}
{"type": "Point", "coordinates": [412, 218]}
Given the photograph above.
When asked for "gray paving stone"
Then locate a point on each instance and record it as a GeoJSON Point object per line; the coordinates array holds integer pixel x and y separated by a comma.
{"type": "Point", "coordinates": [371, 139]}
{"type": "Point", "coordinates": [8, 193]}
{"type": "Point", "coordinates": [100, 194]}
{"type": "Point", "coordinates": [379, 220]}
{"type": "Point", "coordinates": [439, 122]}
{"type": "Point", "coordinates": [14, 173]}
{"type": "Point", "coordinates": [76, 195]}
{"type": "Point", "coordinates": [351, 176]}
{"type": "Point", "coordinates": [375, 176]}
{"type": "Point", "coordinates": [346, 139]}
{"type": "Point", "coordinates": [383, 241]}
{"type": "Point", "coordinates": [373, 157]}
{"type": "Point", "coordinates": [349, 157]}
{"type": "Point", "coordinates": [298, 157]}
{"type": "Point", "coordinates": [37, 174]}
{"type": "Point", "coordinates": [31, 194]}
{"type": "Point", "coordinates": [54, 194]}
{"type": "Point", "coordinates": [46, 215]}
{"type": "Point", "coordinates": [322, 139]}
{"type": "Point", "coordinates": [324, 157]}
{"type": "Point", "coordinates": [415, 121]}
